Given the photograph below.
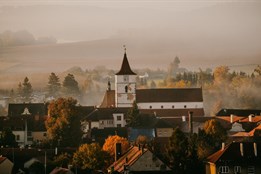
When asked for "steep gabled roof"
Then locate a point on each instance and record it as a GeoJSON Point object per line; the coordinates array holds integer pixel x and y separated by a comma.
{"type": "Point", "coordinates": [108, 99]}
{"type": "Point", "coordinates": [169, 95]}
{"type": "Point", "coordinates": [125, 67]}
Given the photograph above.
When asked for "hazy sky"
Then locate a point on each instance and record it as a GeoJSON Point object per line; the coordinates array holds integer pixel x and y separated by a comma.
{"type": "Point", "coordinates": [202, 33]}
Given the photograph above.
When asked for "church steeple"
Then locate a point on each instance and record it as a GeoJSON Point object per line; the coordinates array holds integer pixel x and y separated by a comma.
{"type": "Point", "coordinates": [125, 67]}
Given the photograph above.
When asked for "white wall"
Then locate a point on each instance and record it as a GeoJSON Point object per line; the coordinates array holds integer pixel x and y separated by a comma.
{"type": "Point", "coordinates": [122, 122]}
{"type": "Point", "coordinates": [177, 105]}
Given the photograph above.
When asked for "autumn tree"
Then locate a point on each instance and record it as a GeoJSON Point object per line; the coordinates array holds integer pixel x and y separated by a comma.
{"type": "Point", "coordinates": [91, 156]}
{"type": "Point", "coordinates": [221, 75]}
{"type": "Point", "coordinates": [133, 116]}
{"type": "Point", "coordinates": [110, 144]}
{"type": "Point", "coordinates": [62, 160]}
{"type": "Point", "coordinates": [210, 138]}
{"type": "Point", "coordinates": [63, 122]}
{"type": "Point", "coordinates": [70, 85]}
{"type": "Point", "coordinates": [54, 85]}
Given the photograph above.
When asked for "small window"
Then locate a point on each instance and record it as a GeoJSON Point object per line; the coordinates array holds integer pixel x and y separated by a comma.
{"type": "Point", "coordinates": [118, 118]}
{"type": "Point", "coordinates": [102, 122]}
{"type": "Point", "coordinates": [173, 106]}
{"type": "Point", "coordinates": [126, 88]}
{"type": "Point", "coordinates": [17, 137]}
{"type": "Point", "coordinates": [224, 169]}
{"type": "Point", "coordinates": [237, 169]}
{"type": "Point", "coordinates": [29, 133]}
{"type": "Point", "coordinates": [126, 78]}
{"type": "Point", "coordinates": [150, 107]}
{"type": "Point", "coordinates": [161, 106]}
{"type": "Point", "coordinates": [118, 125]}
{"type": "Point", "coordinates": [185, 106]}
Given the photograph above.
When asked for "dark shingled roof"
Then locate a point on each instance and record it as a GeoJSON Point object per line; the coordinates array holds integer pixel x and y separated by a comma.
{"type": "Point", "coordinates": [232, 153]}
{"type": "Point", "coordinates": [105, 113]}
{"type": "Point", "coordinates": [238, 112]}
{"type": "Point", "coordinates": [169, 95]}
{"type": "Point", "coordinates": [16, 109]}
{"type": "Point", "coordinates": [125, 67]}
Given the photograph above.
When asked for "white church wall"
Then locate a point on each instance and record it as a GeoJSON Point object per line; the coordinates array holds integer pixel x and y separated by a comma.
{"type": "Point", "coordinates": [170, 105]}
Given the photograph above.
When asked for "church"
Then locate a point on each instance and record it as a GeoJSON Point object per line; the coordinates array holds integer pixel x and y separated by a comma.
{"type": "Point", "coordinates": [162, 102]}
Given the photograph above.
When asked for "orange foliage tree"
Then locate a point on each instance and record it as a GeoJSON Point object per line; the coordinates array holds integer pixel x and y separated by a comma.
{"type": "Point", "coordinates": [110, 144]}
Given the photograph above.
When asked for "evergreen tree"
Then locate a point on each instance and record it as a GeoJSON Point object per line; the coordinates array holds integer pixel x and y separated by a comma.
{"type": "Point", "coordinates": [133, 116]}
{"type": "Point", "coordinates": [70, 85]}
{"type": "Point", "coordinates": [54, 85]}
{"type": "Point", "coordinates": [26, 90]}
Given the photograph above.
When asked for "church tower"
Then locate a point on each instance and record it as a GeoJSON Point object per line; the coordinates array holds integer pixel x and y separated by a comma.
{"type": "Point", "coordinates": [125, 85]}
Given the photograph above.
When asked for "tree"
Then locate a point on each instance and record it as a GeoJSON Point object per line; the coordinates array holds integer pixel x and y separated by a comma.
{"type": "Point", "coordinates": [25, 90]}
{"type": "Point", "coordinates": [210, 138]}
{"type": "Point", "coordinates": [63, 122]}
{"type": "Point", "coordinates": [110, 144]}
{"type": "Point", "coordinates": [177, 150]}
{"type": "Point", "coordinates": [70, 85]}
{"type": "Point", "coordinates": [54, 85]}
{"type": "Point", "coordinates": [8, 138]}
{"type": "Point", "coordinates": [133, 116]}
{"type": "Point", "coordinates": [91, 156]}
{"type": "Point", "coordinates": [221, 75]}
{"type": "Point", "coordinates": [62, 160]}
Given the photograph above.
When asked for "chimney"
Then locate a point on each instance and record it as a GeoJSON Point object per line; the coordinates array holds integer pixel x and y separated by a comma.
{"type": "Point", "coordinates": [241, 149]}
{"type": "Point", "coordinates": [223, 146]}
{"type": "Point", "coordinates": [255, 149]}
{"type": "Point", "coordinates": [183, 118]}
{"type": "Point", "coordinates": [117, 151]}
{"type": "Point", "coordinates": [231, 118]}
{"type": "Point", "coordinates": [250, 118]}
{"type": "Point", "coordinates": [190, 122]}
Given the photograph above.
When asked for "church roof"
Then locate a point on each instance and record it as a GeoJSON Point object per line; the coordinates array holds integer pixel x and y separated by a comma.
{"type": "Point", "coordinates": [169, 95]}
{"type": "Point", "coordinates": [125, 67]}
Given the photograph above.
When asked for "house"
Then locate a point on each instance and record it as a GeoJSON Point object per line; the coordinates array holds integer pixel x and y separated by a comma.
{"type": "Point", "coordinates": [236, 157]}
{"type": "Point", "coordinates": [238, 112]}
{"type": "Point", "coordinates": [139, 160]}
{"type": "Point", "coordinates": [6, 165]}
{"type": "Point", "coordinates": [176, 101]}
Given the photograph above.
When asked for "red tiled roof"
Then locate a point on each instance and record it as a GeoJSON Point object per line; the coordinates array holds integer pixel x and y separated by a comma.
{"type": "Point", "coordinates": [169, 95]}
{"type": "Point", "coordinates": [255, 119]}
{"type": "Point", "coordinates": [132, 155]}
{"type": "Point", "coordinates": [125, 67]}
{"type": "Point", "coordinates": [2, 159]}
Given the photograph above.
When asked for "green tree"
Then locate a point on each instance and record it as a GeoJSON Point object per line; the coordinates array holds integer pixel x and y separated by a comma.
{"type": "Point", "coordinates": [70, 85]}
{"type": "Point", "coordinates": [133, 116]}
{"type": "Point", "coordinates": [177, 150]}
{"type": "Point", "coordinates": [8, 138]}
{"type": "Point", "coordinates": [63, 122]}
{"type": "Point", "coordinates": [91, 156]}
{"type": "Point", "coordinates": [25, 90]}
{"type": "Point", "coordinates": [54, 85]}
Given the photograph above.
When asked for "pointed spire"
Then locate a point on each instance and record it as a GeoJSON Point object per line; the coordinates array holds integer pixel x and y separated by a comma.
{"type": "Point", "coordinates": [125, 67]}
